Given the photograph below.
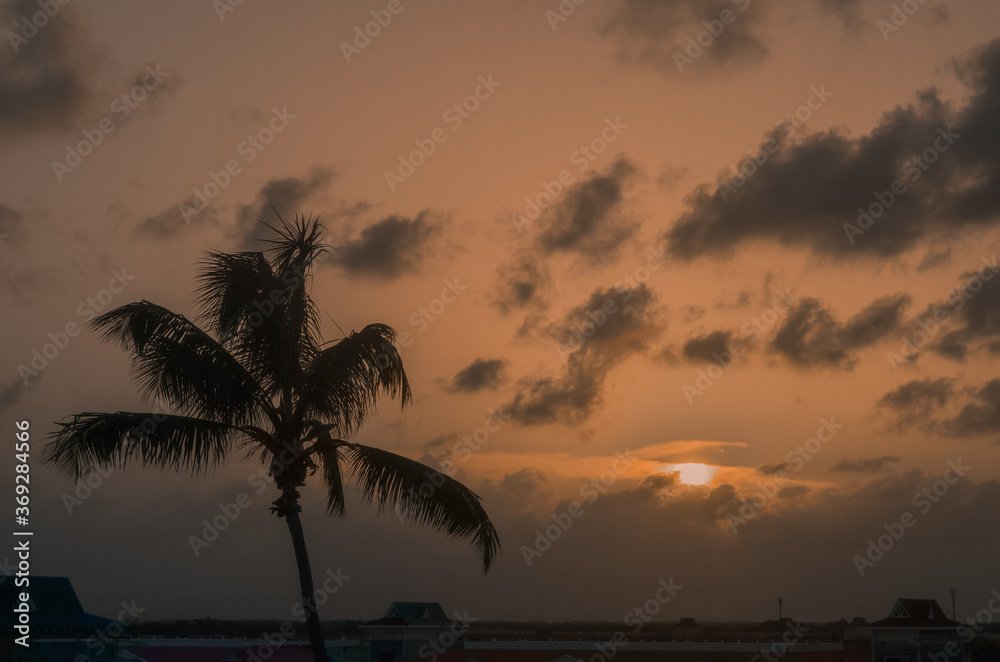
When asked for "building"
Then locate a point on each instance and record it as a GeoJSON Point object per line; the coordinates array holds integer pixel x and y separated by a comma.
{"type": "Point", "coordinates": [687, 629]}
{"type": "Point", "coordinates": [916, 631]}
{"type": "Point", "coordinates": [59, 628]}
{"type": "Point", "coordinates": [409, 630]}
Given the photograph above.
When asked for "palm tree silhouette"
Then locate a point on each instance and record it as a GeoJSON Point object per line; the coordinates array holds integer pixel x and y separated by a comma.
{"type": "Point", "coordinates": [258, 379]}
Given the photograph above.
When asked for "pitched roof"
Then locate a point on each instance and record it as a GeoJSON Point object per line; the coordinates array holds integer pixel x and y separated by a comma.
{"type": "Point", "coordinates": [54, 606]}
{"type": "Point", "coordinates": [416, 611]}
{"type": "Point", "coordinates": [913, 612]}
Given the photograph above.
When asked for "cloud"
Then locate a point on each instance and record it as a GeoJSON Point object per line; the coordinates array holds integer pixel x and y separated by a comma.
{"type": "Point", "coordinates": [707, 347]}
{"type": "Point", "coordinates": [47, 83]}
{"type": "Point", "coordinates": [522, 283]}
{"type": "Point", "coordinates": [287, 196]}
{"type": "Point", "coordinates": [865, 464]}
{"type": "Point", "coordinates": [170, 222]}
{"type": "Point", "coordinates": [390, 247]}
{"type": "Point", "coordinates": [479, 375]}
{"type": "Point", "coordinates": [771, 469]}
{"type": "Point", "coordinates": [971, 312]}
{"type": "Point", "coordinates": [590, 219]}
{"type": "Point", "coordinates": [808, 192]}
{"type": "Point", "coordinates": [591, 346]}
{"type": "Point", "coordinates": [659, 33]}
{"type": "Point", "coordinates": [14, 392]}
{"type": "Point", "coordinates": [811, 335]}
{"type": "Point", "coordinates": [979, 417]}
{"type": "Point", "coordinates": [918, 400]}
{"type": "Point", "coordinates": [11, 224]}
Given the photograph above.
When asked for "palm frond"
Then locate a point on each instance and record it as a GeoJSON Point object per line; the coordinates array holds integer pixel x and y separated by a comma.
{"type": "Point", "coordinates": [266, 319]}
{"type": "Point", "coordinates": [333, 479]}
{"type": "Point", "coordinates": [175, 361]}
{"type": "Point", "coordinates": [423, 495]}
{"type": "Point", "coordinates": [343, 383]}
{"type": "Point", "coordinates": [164, 441]}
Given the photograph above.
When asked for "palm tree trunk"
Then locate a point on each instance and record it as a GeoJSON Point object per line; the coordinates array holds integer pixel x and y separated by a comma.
{"type": "Point", "coordinates": [291, 516]}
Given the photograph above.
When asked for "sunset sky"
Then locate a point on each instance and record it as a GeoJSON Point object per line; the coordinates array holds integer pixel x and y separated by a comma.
{"type": "Point", "coordinates": [715, 275]}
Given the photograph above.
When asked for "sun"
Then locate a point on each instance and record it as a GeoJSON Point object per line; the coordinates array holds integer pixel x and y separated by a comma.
{"type": "Point", "coordinates": [692, 473]}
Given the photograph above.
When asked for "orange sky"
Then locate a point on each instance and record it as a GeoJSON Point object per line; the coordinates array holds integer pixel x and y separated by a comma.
{"type": "Point", "coordinates": [603, 77]}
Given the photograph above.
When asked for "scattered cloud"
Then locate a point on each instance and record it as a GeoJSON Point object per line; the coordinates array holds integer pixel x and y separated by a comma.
{"type": "Point", "coordinates": [591, 220]}
{"type": "Point", "coordinates": [590, 353]}
{"type": "Point", "coordinates": [479, 375]}
{"type": "Point", "coordinates": [391, 247]}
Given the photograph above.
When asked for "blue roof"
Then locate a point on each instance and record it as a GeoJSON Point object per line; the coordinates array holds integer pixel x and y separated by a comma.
{"type": "Point", "coordinates": [54, 606]}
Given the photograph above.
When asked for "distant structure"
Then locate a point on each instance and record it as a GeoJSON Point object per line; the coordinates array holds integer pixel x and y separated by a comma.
{"type": "Point", "coordinates": [687, 629]}
{"type": "Point", "coordinates": [59, 627]}
{"type": "Point", "coordinates": [917, 631]}
{"type": "Point", "coordinates": [409, 630]}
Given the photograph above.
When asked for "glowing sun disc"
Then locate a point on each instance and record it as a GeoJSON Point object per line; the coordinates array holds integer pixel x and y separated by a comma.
{"type": "Point", "coordinates": [693, 473]}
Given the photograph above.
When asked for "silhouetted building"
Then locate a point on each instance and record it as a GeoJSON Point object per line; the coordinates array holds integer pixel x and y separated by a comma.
{"type": "Point", "coordinates": [409, 630]}
{"type": "Point", "coordinates": [914, 631]}
{"type": "Point", "coordinates": [687, 629]}
{"type": "Point", "coordinates": [58, 627]}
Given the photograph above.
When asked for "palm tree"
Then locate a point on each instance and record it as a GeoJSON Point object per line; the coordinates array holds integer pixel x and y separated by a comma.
{"type": "Point", "coordinates": [255, 377]}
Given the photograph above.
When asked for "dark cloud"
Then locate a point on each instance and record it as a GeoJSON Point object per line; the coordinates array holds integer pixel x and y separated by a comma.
{"type": "Point", "coordinates": [811, 335]}
{"type": "Point", "coordinates": [808, 192]}
{"type": "Point", "coordinates": [979, 417]}
{"type": "Point", "coordinates": [865, 464]}
{"type": "Point", "coordinates": [973, 315]}
{"type": "Point", "coordinates": [848, 11]}
{"type": "Point", "coordinates": [47, 82]}
{"type": "Point", "coordinates": [390, 247]}
{"type": "Point", "coordinates": [522, 283]}
{"type": "Point", "coordinates": [11, 224]}
{"type": "Point", "coordinates": [591, 342]}
{"type": "Point", "coordinates": [655, 33]}
{"type": "Point", "coordinates": [284, 195]}
{"type": "Point", "coordinates": [771, 469]}
{"type": "Point", "coordinates": [13, 392]}
{"type": "Point", "coordinates": [170, 222]}
{"type": "Point", "coordinates": [918, 401]}
{"type": "Point", "coordinates": [707, 347]}
{"type": "Point", "coordinates": [793, 491]}
{"type": "Point", "coordinates": [479, 375]}
{"type": "Point", "coordinates": [590, 220]}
